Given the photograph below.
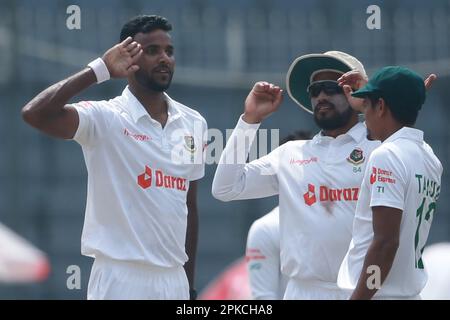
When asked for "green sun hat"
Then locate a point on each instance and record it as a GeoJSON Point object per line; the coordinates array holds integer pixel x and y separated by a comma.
{"type": "Point", "coordinates": [400, 87]}
{"type": "Point", "coordinates": [304, 68]}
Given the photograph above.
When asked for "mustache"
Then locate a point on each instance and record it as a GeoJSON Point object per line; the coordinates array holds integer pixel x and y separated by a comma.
{"type": "Point", "coordinates": [324, 104]}
{"type": "Point", "coordinates": [162, 68]}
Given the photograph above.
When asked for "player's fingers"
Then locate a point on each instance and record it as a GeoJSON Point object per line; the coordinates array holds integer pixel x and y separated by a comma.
{"type": "Point", "coordinates": [126, 42]}
{"type": "Point", "coordinates": [349, 78]}
{"type": "Point", "coordinates": [260, 86]}
{"type": "Point", "coordinates": [131, 46]}
{"type": "Point", "coordinates": [135, 50]}
{"type": "Point", "coordinates": [429, 80]}
{"type": "Point", "coordinates": [135, 58]}
{"type": "Point", "coordinates": [346, 75]}
{"type": "Point", "coordinates": [348, 91]}
{"type": "Point", "coordinates": [132, 69]}
{"type": "Point", "coordinates": [278, 98]}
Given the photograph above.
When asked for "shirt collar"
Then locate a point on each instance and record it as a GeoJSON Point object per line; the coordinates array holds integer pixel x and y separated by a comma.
{"type": "Point", "coordinates": [406, 133]}
{"type": "Point", "coordinates": [137, 110]}
{"type": "Point", "coordinates": [357, 132]}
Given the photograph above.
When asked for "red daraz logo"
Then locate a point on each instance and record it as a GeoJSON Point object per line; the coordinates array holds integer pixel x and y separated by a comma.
{"type": "Point", "coordinates": [145, 179]}
{"type": "Point", "coordinates": [162, 180]}
{"type": "Point", "coordinates": [310, 196]}
{"type": "Point", "coordinates": [373, 176]}
{"type": "Point", "coordinates": [381, 175]}
{"type": "Point", "coordinates": [329, 194]}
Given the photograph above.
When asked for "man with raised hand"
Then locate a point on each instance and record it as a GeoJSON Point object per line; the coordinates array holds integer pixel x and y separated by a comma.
{"type": "Point", "coordinates": [141, 213]}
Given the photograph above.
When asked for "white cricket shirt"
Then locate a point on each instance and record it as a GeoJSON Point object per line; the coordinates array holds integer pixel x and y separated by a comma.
{"type": "Point", "coordinates": [403, 173]}
{"type": "Point", "coordinates": [263, 258]}
{"type": "Point", "coordinates": [318, 184]}
{"type": "Point", "coordinates": [138, 178]}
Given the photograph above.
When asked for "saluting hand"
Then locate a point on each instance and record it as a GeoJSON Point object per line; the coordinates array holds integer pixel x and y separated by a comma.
{"type": "Point", "coordinates": [121, 59]}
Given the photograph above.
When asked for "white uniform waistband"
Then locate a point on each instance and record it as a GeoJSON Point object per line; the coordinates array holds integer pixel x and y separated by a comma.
{"type": "Point", "coordinates": [136, 266]}
{"type": "Point", "coordinates": [122, 280]}
{"type": "Point", "coordinates": [314, 290]}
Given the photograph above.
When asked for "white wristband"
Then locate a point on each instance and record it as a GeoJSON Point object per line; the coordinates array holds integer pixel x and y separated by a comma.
{"type": "Point", "coordinates": [100, 69]}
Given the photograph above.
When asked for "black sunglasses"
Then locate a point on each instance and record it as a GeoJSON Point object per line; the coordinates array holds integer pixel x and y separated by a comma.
{"type": "Point", "coordinates": [329, 87]}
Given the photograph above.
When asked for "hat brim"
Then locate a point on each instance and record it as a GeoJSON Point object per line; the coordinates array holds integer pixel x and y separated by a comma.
{"type": "Point", "coordinates": [299, 75]}
{"type": "Point", "coordinates": [365, 91]}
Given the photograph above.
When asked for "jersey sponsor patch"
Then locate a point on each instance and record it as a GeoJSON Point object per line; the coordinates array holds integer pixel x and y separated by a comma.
{"type": "Point", "coordinates": [254, 254]}
{"type": "Point", "coordinates": [310, 195]}
{"type": "Point", "coordinates": [356, 157]}
{"type": "Point", "coordinates": [330, 194]}
{"type": "Point", "coordinates": [381, 175]}
{"type": "Point", "coordinates": [157, 178]}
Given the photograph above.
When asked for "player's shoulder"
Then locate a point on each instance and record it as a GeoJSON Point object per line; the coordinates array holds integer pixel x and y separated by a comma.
{"type": "Point", "coordinates": [114, 105]}
{"type": "Point", "coordinates": [430, 152]}
{"type": "Point", "coordinates": [295, 144]}
{"type": "Point", "coordinates": [186, 111]}
{"type": "Point", "coordinates": [385, 150]}
{"type": "Point", "coordinates": [267, 223]}
{"type": "Point", "coordinates": [389, 155]}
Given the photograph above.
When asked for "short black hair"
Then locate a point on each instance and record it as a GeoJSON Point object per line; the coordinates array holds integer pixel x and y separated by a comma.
{"type": "Point", "coordinates": [404, 114]}
{"type": "Point", "coordinates": [144, 24]}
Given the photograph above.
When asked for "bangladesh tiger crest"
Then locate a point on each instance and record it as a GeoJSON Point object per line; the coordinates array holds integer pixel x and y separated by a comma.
{"type": "Point", "coordinates": [189, 143]}
{"type": "Point", "coordinates": [356, 157]}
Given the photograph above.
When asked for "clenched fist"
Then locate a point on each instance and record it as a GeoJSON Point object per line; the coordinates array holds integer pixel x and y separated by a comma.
{"type": "Point", "coordinates": [264, 99]}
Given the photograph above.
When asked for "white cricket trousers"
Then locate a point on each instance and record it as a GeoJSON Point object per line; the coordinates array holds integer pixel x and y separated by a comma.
{"type": "Point", "coordinates": [121, 280]}
{"type": "Point", "coordinates": [319, 290]}
{"type": "Point", "coordinates": [314, 290]}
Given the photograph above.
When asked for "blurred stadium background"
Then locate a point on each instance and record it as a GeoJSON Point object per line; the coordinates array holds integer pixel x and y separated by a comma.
{"type": "Point", "coordinates": [222, 47]}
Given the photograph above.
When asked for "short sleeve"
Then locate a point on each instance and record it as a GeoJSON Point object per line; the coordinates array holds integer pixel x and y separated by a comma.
{"type": "Point", "coordinates": [198, 170]}
{"type": "Point", "coordinates": [94, 119]}
{"type": "Point", "coordinates": [387, 178]}
{"type": "Point", "coordinates": [263, 262]}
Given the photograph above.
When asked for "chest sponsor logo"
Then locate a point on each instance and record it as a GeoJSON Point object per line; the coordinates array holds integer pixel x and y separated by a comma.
{"type": "Point", "coordinates": [381, 175]}
{"type": "Point", "coordinates": [302, 162]}
{"type": "Point", "coordinates": [135, 136]}
{"type": "Point", "coordinates": [157, 179]}
{"type": "Point", "coordinates": [329, 194]}
{"type": "Point", "coordinates": [356, 157]}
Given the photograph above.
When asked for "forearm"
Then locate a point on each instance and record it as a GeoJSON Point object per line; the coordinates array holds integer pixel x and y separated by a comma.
{"type": "Point", "coordinates": [380, 254]}
{"type": "Point", "coordinates": [228, 182]}
{"type": "Point", "coordinates": [50, 102]}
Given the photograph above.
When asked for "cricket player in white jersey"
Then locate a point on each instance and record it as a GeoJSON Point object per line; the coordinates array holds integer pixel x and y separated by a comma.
{"type": "Point", "coordinates": [141, 198]}
{"type": "Point", "coordinates": [263, 258]}
{"type": "Point", "coordinates": [263, 249]}
{"type": "Point", "coordinates": [401, 185]}
{"type": "Point", "coordinates": [317, 180]}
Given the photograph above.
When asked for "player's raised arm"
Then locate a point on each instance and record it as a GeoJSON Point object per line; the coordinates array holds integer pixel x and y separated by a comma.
{"type": "Point", "coordinates": [234, 179]}
{"type": "Point", "coordinates": [48, 111]}
{"type": "Point", "coordinates": [264, 99]}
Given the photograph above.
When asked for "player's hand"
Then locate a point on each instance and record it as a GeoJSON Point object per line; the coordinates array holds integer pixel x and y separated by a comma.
{"type": "Point", "coordinates": [354, 79]}
{"type": "Point", "coordinates": [356, 103]}
{"type": "Point", "coordinates": [121, 59]}
{"type": "Point", "coordinates": [264, 99]}
{"type": "Point", "coordinates": [429, 81]}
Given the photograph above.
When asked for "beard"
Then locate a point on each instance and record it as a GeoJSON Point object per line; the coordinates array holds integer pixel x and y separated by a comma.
{"type": "Point", "coordinates": [335, 121]}
{"type": "Point", "coordinates": [148, 82]}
